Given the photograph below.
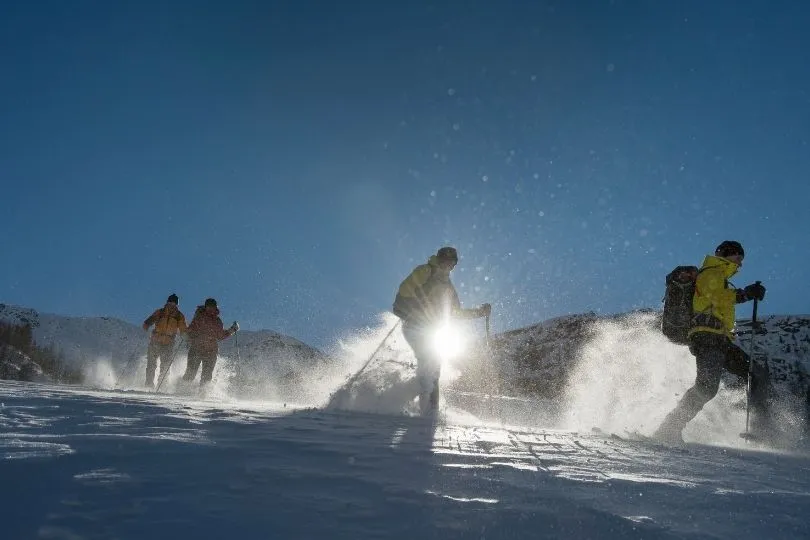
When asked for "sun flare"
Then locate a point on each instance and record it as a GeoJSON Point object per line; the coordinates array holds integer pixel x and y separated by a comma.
{"type": "Point", "coordinates": [448, 342]}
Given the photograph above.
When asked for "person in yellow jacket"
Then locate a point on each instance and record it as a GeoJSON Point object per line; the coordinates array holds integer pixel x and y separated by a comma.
{"type": "Point", "coordinates": [711, 334]}
{"type": "Point", "coordinates": [425, 300]}
{"type": "Point", "coordinates": [168, 322]}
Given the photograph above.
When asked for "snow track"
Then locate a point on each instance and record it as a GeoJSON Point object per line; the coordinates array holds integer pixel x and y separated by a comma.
{"type": "Point", "coordinates": [100, 464]}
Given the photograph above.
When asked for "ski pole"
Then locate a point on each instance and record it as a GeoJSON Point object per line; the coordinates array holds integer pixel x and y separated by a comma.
{"type": "Point", "coordinates": [124, 371]}
{"type": "Point", "coordinates": [354, 377]}
{"type": "Point", "coordinates": [165, 373]}
{"type": "Point", "coordinates": [487, 332]}
{"type": "Point", "coordinates": [497, 386]}
{"type": "Point", "coordinates": [751, 364]}
{"type": "Point", "coordinates": [487, 347]}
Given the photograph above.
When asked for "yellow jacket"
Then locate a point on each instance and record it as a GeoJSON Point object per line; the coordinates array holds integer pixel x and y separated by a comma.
{"type": "Point", "coordinates": [167, 325]}
{"type": "Point", "coordinates": [427, 295]}
{"type": "Point", "coordinates": [714, 301]}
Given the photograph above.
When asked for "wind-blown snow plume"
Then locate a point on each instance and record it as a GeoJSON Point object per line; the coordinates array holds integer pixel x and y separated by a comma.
{"type": "Point", "coordinates": [386, 384]}
{"type": "Point", "coordinates": [376, 370]}
{"type": "Point", "coordinates": [101, 373]}
{"type": "Point", "coordinates": [628, 377]}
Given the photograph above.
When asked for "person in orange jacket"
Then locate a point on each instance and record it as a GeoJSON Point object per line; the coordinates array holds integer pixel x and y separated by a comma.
{"type": "Point", "coordinates": [168, 321]}
{"type": "Point", "coordinates": [204, 334]}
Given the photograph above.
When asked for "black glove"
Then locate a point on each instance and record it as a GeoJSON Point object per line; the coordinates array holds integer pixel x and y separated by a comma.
{"type": "Point", "coordinates": [755, 290]}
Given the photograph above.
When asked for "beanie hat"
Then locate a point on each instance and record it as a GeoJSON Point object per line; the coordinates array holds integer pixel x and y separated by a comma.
{"type": "Point", "coordinates": [173, 298]}
{"type": "Point", "coordinates": [447, 254]}
{"type": "Point", "coordinates": [210, 302]}
{"type": "Point", "coordinates": [728, 248]}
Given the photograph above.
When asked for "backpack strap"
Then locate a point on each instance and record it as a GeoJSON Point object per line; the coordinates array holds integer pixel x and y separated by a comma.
{"type": "Point", "coordinates": [701, 270]}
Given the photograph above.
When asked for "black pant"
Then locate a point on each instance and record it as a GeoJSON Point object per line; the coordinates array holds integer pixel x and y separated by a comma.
{"type": "Point", "coordinates": [713, 354]}
{"type": "Point", "coordinates": [197, 356]}
{"type": "Point", "coordinates": [164, 353]}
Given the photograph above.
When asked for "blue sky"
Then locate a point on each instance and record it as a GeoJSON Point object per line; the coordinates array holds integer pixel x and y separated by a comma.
{"type": "Point", "coordinates": [296, 159]}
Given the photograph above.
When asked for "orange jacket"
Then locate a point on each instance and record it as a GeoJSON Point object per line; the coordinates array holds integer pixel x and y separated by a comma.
{"type": "Point", "coordinates": [206, 329]}
{"type": "Point", "coordinates": [167, 325]}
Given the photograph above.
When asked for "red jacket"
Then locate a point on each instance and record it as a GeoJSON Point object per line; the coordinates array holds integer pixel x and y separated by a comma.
{"type": "Point", "coordinates": [206, 329]}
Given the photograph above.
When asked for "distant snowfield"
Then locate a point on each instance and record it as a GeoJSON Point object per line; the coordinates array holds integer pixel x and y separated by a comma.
{"type": "Point", "coordinates": [82, 464]}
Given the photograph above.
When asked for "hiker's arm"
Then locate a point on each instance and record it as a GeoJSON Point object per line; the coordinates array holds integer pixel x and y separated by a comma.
{"type": "Point", "coordinates": [754, 290]}
{"type": "Point", "coordinates": [224, 334]}
{"type": "Point", "coordinates": [151, 320]}
{"type": "Point", "coordinates": [470, 313]}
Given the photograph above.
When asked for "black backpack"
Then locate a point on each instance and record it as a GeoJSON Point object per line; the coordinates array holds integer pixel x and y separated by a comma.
{"type": "Point", "coordinates": [677, 317]}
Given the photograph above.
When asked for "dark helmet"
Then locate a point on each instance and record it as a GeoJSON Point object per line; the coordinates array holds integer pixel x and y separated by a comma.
{"type": "Point", "coordinates": [729, 248]}
{"type": "Point", "coordinates": [447, 253]}
{"type": "Point", "coordinates": [210, 302]}
{"type": "Point", "coordinates": [173, 298]}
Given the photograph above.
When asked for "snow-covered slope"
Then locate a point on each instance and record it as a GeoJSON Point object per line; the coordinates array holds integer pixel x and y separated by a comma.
{"type": "Point", "coordinates": [537, 361]}
{"type": "Point", "coordinates": [100, 464]}
{"type": "Point", "coordinates": [17, 366]}
{"type": "Point", "coordinates": [109, 345]}
{"type": "Point", "coordinates": [272, 362]}
{"type": "Point", "coordinates": [784, 342]}
{"type": "Point", "coordinates": [82, 339]}
{"type": "Point", "coordinates": [540, 359]}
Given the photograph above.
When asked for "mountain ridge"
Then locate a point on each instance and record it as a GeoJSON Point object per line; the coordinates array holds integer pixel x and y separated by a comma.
{"type": "Point", "coordinates": [535, 360]}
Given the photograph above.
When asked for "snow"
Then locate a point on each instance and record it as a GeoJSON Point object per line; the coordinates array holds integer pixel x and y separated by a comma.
{"type": "Point", "coordinates": [540, 360]}
{"type": "Point", "coordinates": [113, 352]}
{"type": "Point", "coordinates": [338, 456]}
{"type": "Point", "coordinates": [18, 366]}
{"type": "Point", "coordinates": [619, 372]}
{"type": "Point", "coordinates": [108, 464]}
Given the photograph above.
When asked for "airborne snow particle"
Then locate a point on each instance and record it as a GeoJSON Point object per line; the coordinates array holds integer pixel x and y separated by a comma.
{"type": "Point", "coordinates": [433, 193]}
{"type": "Point", "coordinates": [451, 91]}
{"type": "Point", "coordinates": [485, 178]}
{"type": "Point", "coordinates": [610, 67]}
